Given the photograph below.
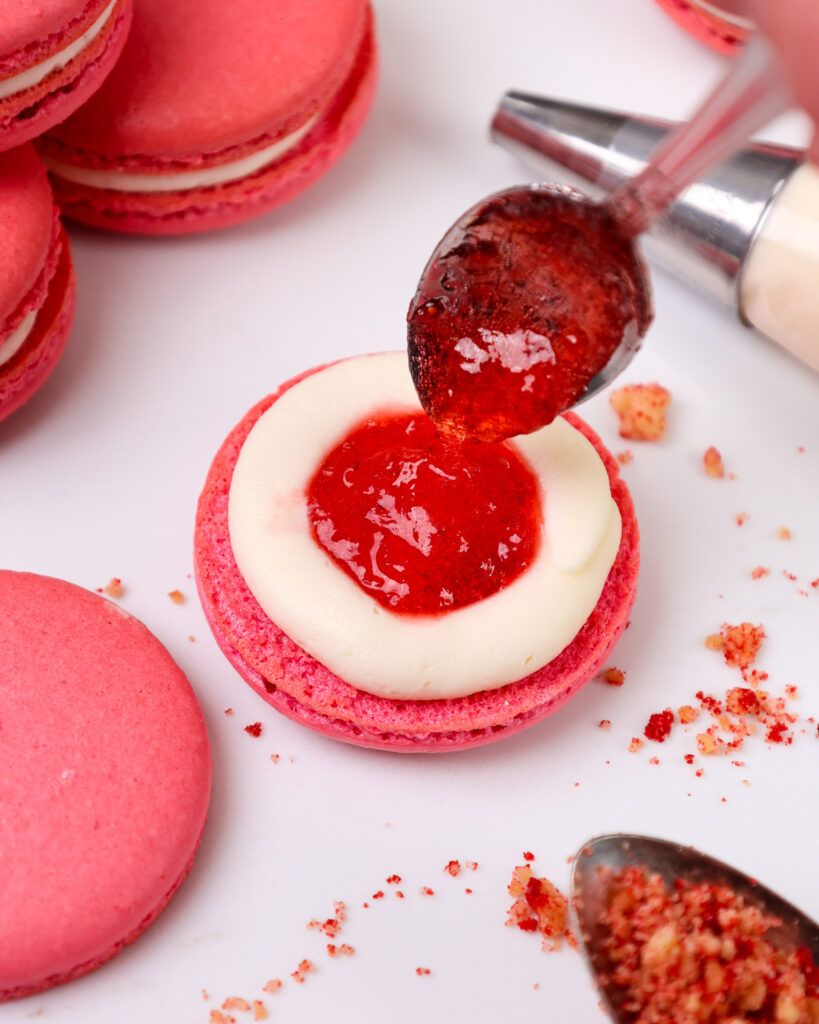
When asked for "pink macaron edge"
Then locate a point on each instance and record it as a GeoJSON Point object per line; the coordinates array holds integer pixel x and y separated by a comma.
{"type": "Point", "coordinates": [30, 367]}
{"type": "Point", "coordinates": [297, 685]}
{"type": "Point", "coordinates": [27, 115]}
{"type": "Point", "coordinates": [218, 206]}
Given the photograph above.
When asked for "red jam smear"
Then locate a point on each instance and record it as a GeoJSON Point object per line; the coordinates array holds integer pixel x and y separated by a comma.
{"type": "Point", "coordinates": [513, 319]}
{"type": "Point", "coordinates": [422, 523]}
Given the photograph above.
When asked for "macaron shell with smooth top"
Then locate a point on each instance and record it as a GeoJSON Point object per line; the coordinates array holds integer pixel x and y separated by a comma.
{"type": "Point", "coordinates": [300, 687]}
{"type": "Point", "coordinates": [26, 222]}
{"type": "Point", "coordinates": [104, 781]}
{"type": "Point", "coordinates": [170, 213]}
{"type": "Point", "coordinates": [33, 111]}
{"type": "Point", "coordinates": [202, 76]}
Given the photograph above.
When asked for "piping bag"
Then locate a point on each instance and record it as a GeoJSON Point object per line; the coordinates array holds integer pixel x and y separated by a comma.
{"type": "Point", "coordinates": [746, 233]}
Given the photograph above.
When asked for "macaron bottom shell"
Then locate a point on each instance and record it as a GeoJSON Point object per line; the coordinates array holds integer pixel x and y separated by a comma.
{"type": "Point", "coordinates": [192, 210]}
{"type": "Point", "coordinates": [29, 368]}
{"type": "Point", "coordinates": [306, 691]}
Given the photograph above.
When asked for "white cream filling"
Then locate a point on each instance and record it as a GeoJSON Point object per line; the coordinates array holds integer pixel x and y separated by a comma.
{"type": "Point", "coordinates": [180, 181]}
{"type": "Point", "coordinates": [481, 646]}
{"type": "Point", "coordinates": [11, 345]}
{"type": "Point", "coordinates": [37, 72]}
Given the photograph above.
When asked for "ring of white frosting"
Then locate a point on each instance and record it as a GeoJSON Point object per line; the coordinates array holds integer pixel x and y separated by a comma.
{"type": "Point", "coordinates": [37, 72]}
{"type": "Point", "coordinates": [180, 181]}
{"type": "Point", "coordinates": [484, 645]}
{"type": "Point", "coordinates": [11, 345]}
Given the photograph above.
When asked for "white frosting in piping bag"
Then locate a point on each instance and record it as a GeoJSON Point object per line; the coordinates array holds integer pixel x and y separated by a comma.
{"type": "Point", "coordinates": [481, 646]}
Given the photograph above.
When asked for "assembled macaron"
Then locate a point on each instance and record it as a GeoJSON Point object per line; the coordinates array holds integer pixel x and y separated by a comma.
{"type": "Point", "coordinates": [53, 56]}
{"type": "Point", "coordinates": [105, 776]}
{"type": "Point", "coordinates": [215, 113]}
{"type": "Point", "coordinates": [306, 602]}
{"type": "Point", "coordinates": [36, 278]}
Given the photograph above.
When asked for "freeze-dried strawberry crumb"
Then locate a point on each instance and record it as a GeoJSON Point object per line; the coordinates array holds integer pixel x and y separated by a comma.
{"type": "Point", "coordinates": [378, 895]}
{"type": "Point", "coordinates": [635, 744]}
{"type": "Point", "coordinates": [259, 1011]}
{"type": "Point", "coordinates": [625, 457]}
{"type": "Point", "coordinates": [759, 572]}
{"type": "Point", "coordinates": [698, 953]}
{"type": "Point", "coordinates": [687, 714]}
{"type": "Point", "coordinates": [538, 906]}
{"type": "Point", "coordinates": [217, 1017]}
{"type": "Point", "coordinates": [471, 865]}
{"type": "Point", "coordinates": [393, 879]}
{"type": "Point", "coordinates": [712, 460]}
{"type": "Point", "coordinates": [254, 730]}
{"type": "Point", "coordinates": [688, 758]}
{"type": "Point", "coordinates": [453, 867]}
{"type": "Point", "coordinates": [178, 598]}
{"type": "Point", "coordinates": [742, 518]}
{"type": "Point", "coordinates": [742, 701]}
{"type": "Point", "coordinates": [420, 971]}
{"type": "Point", "coordinates": [604, 723]}
{"type": "Point", "coordinates": [528, 856]}
{"type": "Point", "coordinates": [304, 968]}
{"type": "Point", "coordinates": [342, 950]}
{"type": "Point", "coordinates": [741, 643]}
{"type": "Point", "coordinates": [654, 760]}
{"type": "Point", "coordinates": [613, 676]}
{"type": "Point", "coordinates": [659, 726]}
{"type": "Point", "coordinates": [273, 985]}
{"type": "Point", "coordinates": [642, 410]}
{"type": "Point", "coordinates": [113, 588]}
{"type": "Point", "coordinates": [783, 533]}
{"type": "Point", "coordinates": [426, 891]}
{"type": "Point", "coordinates": [708, 744]}
{"type": "Point", "coordinates": [235, 1003]}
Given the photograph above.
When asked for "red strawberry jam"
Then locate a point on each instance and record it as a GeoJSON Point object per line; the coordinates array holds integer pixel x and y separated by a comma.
{"type": "Point", "coordinates": [523, 302]}
{"type": "Point", "coordinates": [422, 523]}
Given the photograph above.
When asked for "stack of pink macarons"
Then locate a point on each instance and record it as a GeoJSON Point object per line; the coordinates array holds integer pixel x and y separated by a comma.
{"type": "Point", "coordinates": [160, 119]}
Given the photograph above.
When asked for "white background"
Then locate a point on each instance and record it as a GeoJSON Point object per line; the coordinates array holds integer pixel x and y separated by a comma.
{"type": "Point", "coordinates": [175, 339]}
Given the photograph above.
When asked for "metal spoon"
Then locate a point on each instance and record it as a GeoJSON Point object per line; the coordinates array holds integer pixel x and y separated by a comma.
{"type": "Point", "coordinates": [590, 889]}
{"type": "Point", "coordinates": [749, 96]}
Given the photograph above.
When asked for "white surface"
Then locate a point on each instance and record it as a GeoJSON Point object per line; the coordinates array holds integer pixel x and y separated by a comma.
{"type": "Point", "coordinates": [175, 339]}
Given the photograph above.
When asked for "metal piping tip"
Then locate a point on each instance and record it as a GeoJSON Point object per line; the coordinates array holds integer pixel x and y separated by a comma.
{"type": "Point", "coordinates": [705, 235]}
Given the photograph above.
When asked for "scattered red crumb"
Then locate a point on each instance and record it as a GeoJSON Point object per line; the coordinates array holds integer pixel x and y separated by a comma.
{"type": "Point", "coordinates": [259, 1011]}
{"type": "Point", "coordinates": [712, 461]}
{"type": "Point", "coordinates": [422, 970]}
{"type": "Point", "coordinates": [791, 692]}
{"type": "Point", "coordinates": [331, 926]}
{"type": "Point", "coordinates": [625, 457]}
{"type": "Point", "coordinates": [742, 701]}
{"type": "Point", "coordinates": [742, 518]}
{"type": "Point", "coordinates": [739, 644]}
{"type": "Point", "coordinates": [708, 744]}
{"type": "Point", "coordinates": [538, 906]}
{"type": "Point", "coordinates": [235, 1003]}
{"type": "Point", "coordinates": [454, 868]}
{"type": "Point", "coordinates": [192, 639]}
{"type": "Point", "coordinates": [254, 730]}
{"type": "Point", "coordinates": [783, 533]}
{"type": "Point", "coordinates": [613, 676]}
{"type": "Point", "coordinates": [393, 879]}
{"type": "Point", "coordinates": [468, 892]}
{"type": "Point", "coordinates": [759, 572]}
{"type": "Point", "coordinates": [654, 760]}
{"type": "Point", "coordinates": [217, 1017]}
{"type": "Point", "coordinates": [113, 588]}
{"type": "Point", "coordinates": [698, 953]}
{"type": "Point", "coordinates": [426, 891]}
{"type": "Point", "coordinates": [815, 583]}
{"type": "Point", "coordinates": [178, 598]}
{"type": "Point", "coordinates": [528, 856]}
{"type": "Point", "coordinates": [642, 410]}
{"type": "Point", "coordinates": [398, 894]}
{"type": "Point", "coordinates": [687, 714]}
{"type": "Point", "coordinates": [739, 764]}
{"type": "Point", "coordinates": [659, 726]}
{"type": "Point", "coordinates": [228, 711]}
{"type": "Point", "coordinates": [471, 865]}
{"type": "Point", "coordinates": [304, 968]}
{"type": "Point", "coordinates": [688, 758]}
{"type": "Point", "coordinates": [378, 895]}
{"type": "Point", "coordinates": [605, 723]}
{"type": "Point", "coordinates": [699, 773]}
{"type": "Point", "coordinates": [273, 985]}
{"type": "Point", "coordinates": [790, 576]}
{"type": "Point", "coordinates": [205, 995]}
{"type": "Point", "coordinates": [635, 744]}
{"type": "Point", "coordinates": [342, 950]}
{"type": "Point", "coordinates": [274, 758]}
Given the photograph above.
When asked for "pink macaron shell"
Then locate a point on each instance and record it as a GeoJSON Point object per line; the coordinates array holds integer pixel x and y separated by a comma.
{"type": "Point", "coordinates": [200, 76]}
{"type": "Point", "coordinates": [219, 206]}
{"type": "Point", "coordinates": [30, 113]}
{"type": "Point", "coordinates": [33, 363]}
{"type": "Point", "coordinates": [104, 785]}
{"type": "Point", "coordinates": [705, 27]}
{"type": "Point", "coordinates": [301, 687]}
{"type": "Point", "coordinates": [26, 228]}
{"type": "Point", "coordinates": [30, 32]}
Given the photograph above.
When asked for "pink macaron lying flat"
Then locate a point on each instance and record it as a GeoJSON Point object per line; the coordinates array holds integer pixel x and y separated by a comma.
{"type": "Point", "coordinates": [36, 279]}
{"type": "Point", "coordinates": [104, 781]}
{"type": "Point", "coordinates": [215, 113]}
{"type": "Point", "coordinates": [299, 686]}
{"type": "Point", "coordinates": [53, 56]}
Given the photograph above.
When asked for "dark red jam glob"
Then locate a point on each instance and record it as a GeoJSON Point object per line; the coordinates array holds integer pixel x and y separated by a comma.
{"type": "Point", "coordinates": [523, 302]}
{"type": "Point", "coordinates": [424, 524]}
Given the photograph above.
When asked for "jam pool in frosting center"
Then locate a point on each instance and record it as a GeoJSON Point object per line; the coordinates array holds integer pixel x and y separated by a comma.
{"type": "Point", "coordinates": [423, 523]}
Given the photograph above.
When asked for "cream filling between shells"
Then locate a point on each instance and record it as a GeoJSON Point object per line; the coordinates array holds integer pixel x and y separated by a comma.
{"type": "Point", "coordinates": [11, 345]}
{"type": "Point", "coordinates": [37, 72]}
{"type": "Point", "coordinates": [495, 641]}
{"type": "Point", "coordinates": [180, 181]}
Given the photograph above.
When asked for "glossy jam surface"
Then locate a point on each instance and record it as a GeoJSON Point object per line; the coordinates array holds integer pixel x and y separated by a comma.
{"type": "Point", "coordinates": [424, 524]}
{"type": "Point", "coordinates": [524, 301]}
